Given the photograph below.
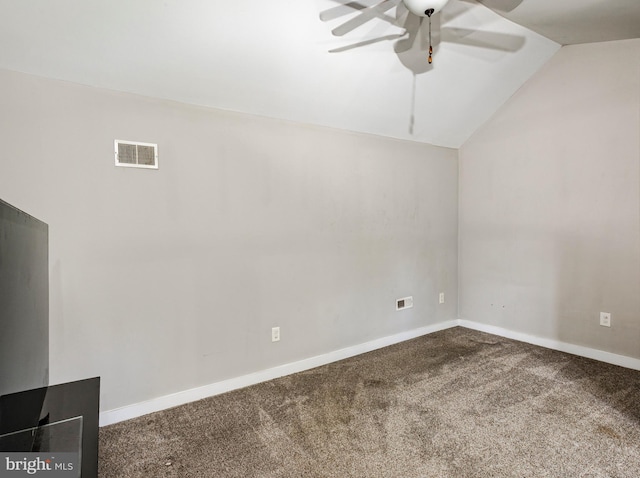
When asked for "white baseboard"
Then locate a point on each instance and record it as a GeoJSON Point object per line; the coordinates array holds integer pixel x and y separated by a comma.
{"type": "Point", "coordinates": [180, 398]}
{"type": "Point", "coordinates": [587, 352]}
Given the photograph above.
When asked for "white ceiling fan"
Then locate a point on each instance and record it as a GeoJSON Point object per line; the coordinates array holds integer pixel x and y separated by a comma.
{"type": "Point", "coordinates": [416, 45]}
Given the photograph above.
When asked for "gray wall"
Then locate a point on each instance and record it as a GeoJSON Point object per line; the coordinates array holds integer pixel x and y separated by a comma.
{"type": "Point", "coordinates": [166, 280]}
{"type": "Point", "coordinates": [550, 204]}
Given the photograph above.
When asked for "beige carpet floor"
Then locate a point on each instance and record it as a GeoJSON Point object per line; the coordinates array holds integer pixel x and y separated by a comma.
{"type": "Point", "coordinates": [456, 403]}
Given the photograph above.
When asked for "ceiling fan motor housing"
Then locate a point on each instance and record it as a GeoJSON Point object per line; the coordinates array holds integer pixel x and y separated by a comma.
{"type": "Point", "coordinates": [425, 8]}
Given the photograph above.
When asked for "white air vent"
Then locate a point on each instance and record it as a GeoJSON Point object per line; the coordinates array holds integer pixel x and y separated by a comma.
{"type": "Point", "coordinates": [405, 303]}
{"type": "Point", "coordinates": [132, 154]}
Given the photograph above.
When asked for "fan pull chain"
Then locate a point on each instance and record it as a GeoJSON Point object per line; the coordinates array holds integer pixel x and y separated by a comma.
{"type": "Point", "coordinates": [429, 12]}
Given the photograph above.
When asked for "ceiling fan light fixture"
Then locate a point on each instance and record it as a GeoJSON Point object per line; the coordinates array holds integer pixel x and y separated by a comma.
{"type": "Point", "coordinates": [422, 7]}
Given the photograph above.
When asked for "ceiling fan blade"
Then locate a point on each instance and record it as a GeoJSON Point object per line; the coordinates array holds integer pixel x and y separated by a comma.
{"type": "Point", "coordinates": [367, 42]}
{"type": "Point", "coordinates": [345, 9]}
{"type": "Point", "coordinates": [483, 39]}
{"type": "Point", "coordinates": [367, 14]}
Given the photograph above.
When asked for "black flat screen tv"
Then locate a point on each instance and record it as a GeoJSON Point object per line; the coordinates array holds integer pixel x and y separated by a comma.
{"type": "Point", "coordinates": [24, 301]}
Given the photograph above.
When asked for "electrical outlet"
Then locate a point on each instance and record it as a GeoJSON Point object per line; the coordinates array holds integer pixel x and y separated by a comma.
{"type": "Point", "coordinates": [441, 298]}
{"type": "Point", "coordinates": [405, 303]}
{"type": "Point", "coordinates": [605, 319]}
{"type": "Point", "coordinates": [275, 334]}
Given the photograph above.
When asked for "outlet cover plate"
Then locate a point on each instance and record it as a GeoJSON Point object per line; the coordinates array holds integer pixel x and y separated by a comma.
{"type": "Point", "coordinates": [605, 319]}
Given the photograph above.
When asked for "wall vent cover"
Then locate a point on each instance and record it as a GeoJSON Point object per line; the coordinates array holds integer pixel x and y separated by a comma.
{"type": "Point", "coordinates": [133, 154]}
{"type": "Point", "coordinates": [405, 303]}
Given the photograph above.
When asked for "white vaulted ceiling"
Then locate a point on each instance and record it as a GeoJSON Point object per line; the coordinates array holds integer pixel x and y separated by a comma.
{"type": "Point", "coordinates": [279, 58]}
